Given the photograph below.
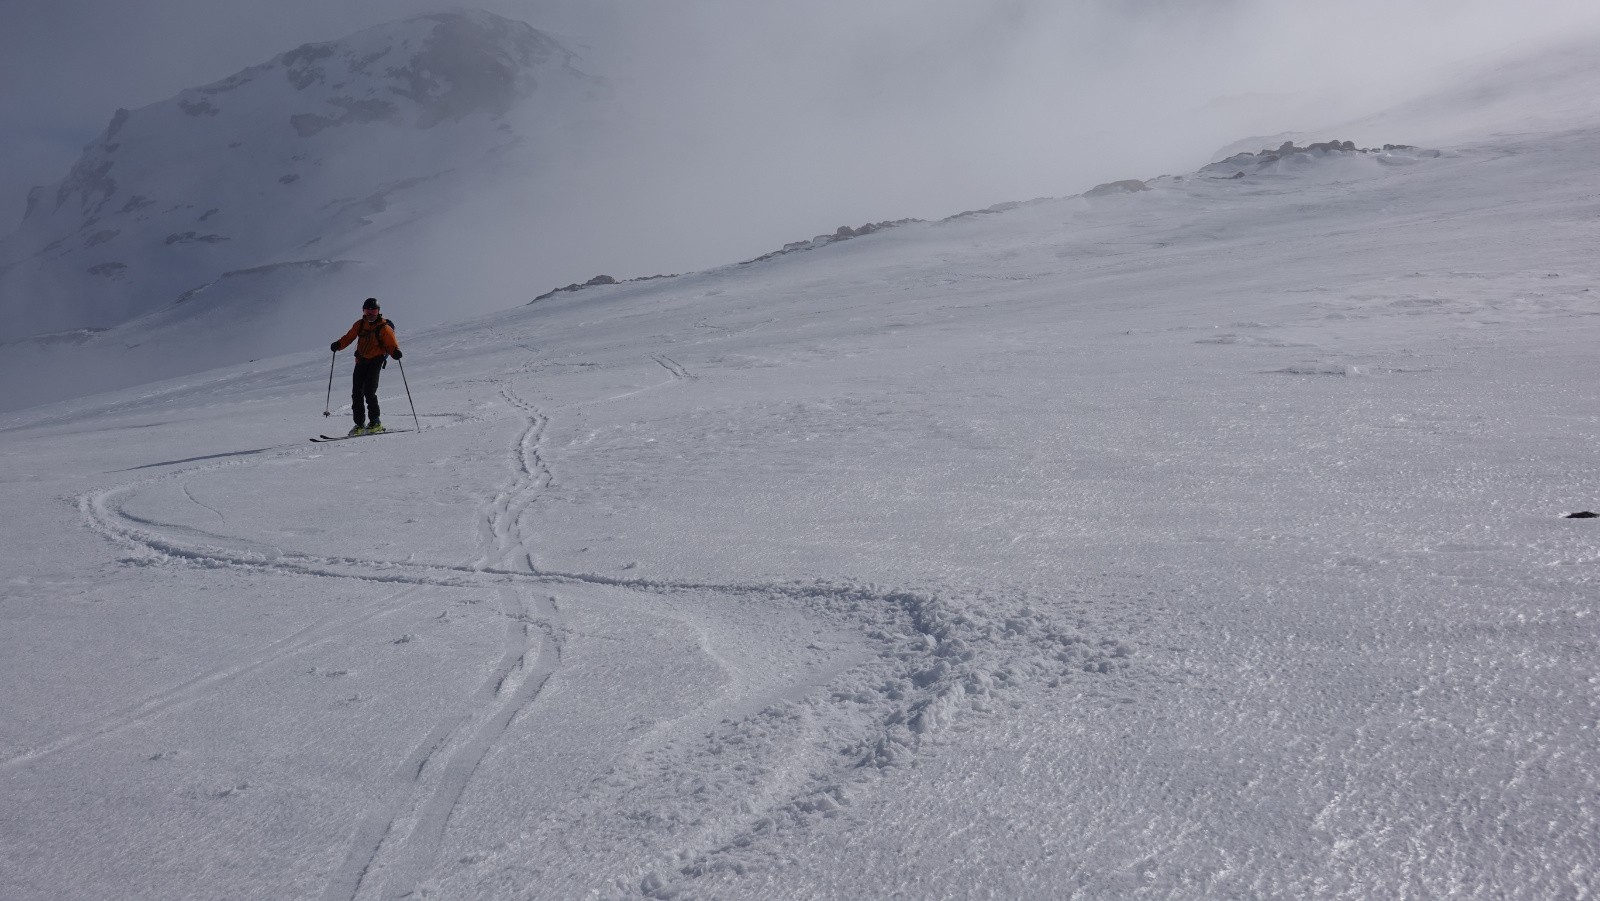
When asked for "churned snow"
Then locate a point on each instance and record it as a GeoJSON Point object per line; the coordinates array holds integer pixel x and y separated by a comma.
{"type": "Point", "coordinates": [1194, 542]}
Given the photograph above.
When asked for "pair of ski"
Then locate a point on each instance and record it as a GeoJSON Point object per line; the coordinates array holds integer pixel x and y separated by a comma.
{"type": "Point", "coordinates": [324, 438]}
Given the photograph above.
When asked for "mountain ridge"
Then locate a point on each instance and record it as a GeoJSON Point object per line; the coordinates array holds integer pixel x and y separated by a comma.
{"type": "Point", "coordinates": [290, 154]}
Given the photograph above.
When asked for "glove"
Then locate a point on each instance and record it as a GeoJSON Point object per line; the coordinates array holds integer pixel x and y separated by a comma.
{"type": "Point", "coordinates": [396, 353]}
{"type": "Point", "coordinates": [334, 347]}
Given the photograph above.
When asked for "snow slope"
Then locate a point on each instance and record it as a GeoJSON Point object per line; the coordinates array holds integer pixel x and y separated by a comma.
{"type": "Point", "coordinates": [1199, 541]}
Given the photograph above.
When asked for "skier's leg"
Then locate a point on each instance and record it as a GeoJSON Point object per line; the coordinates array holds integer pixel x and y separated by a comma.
{"type": "Point", "coordinates": [373, 417]}
{"type": "Point", "coordinates": [357, 395]}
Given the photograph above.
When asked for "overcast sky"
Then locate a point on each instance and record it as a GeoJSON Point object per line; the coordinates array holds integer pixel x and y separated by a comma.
{"type": "Point", "coordinates": [925, 104]}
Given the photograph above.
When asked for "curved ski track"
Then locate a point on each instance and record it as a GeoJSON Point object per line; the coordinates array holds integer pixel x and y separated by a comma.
{"type": "Point", "coordinates": [399, 837]}
{"type": "Point", "coordinates": [926, 653]}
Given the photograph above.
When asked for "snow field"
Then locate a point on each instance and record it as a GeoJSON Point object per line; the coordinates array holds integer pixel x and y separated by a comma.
{"type": "Point", "coordinates": [178, 518]}
{"type": "Point", "coordinates": [1197, 542]}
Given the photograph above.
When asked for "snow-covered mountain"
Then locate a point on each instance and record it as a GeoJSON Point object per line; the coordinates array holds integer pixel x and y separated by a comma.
{"type": "Point", "coordinates": [263, 198]}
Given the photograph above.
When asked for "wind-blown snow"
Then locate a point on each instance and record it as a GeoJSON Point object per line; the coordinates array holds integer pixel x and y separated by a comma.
{"type": "Point", "coordinates": [1198, 541]}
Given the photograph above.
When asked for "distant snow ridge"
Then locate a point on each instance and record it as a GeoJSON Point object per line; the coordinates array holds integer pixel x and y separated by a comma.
{"type": "Point", "coordinates": [843, 233]}
{"type": "Point", "coordinates": [259, 168]}
{"type": "Point", "coordinates": [1236, 166]}
{"type": "Point", "coordinates": [596, 282]}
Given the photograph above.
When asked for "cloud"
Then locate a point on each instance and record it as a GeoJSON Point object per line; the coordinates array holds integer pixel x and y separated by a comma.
{"type": "Point", "coordinates": [759, 120]}
{"type": "Point", "coordinates": [838, 112]}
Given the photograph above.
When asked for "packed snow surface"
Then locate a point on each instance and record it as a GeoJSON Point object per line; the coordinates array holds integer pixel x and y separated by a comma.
{"type": "Point", "coordinates": [1202, 541]}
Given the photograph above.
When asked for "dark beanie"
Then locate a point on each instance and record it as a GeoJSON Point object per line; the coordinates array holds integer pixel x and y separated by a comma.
{"type": "Point", "coordinates": [371, 304]}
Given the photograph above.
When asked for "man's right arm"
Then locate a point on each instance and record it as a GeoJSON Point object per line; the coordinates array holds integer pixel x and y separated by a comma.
{"type": "Point", "coordinates": [349, 336]}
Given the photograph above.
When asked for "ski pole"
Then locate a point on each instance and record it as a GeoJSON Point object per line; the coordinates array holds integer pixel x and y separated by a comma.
{"type": "Point", "coordinates": [408, 394]}
{"type": "Point", "coordinates": [329, 403]}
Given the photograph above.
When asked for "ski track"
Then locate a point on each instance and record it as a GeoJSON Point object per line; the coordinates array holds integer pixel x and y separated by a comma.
{"type": "Point", "coordinates": [672, 366]}
{"type": "Point", "coordinates": [190, 495]}
{"type": "Point", "coordinates": [678, 374]}
{"type": "Point", "coordinates": [502, 532]}
{"type": "Point", "coordinates": [317, 633]}
{"type": "Point", "coordinates": [930, 668]}
{"type": "Point", "coordinates": [397, 842]}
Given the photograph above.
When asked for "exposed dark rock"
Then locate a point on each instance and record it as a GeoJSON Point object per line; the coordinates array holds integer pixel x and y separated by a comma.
{"type": "Point", "coordinates": [200, 107]}
{"type": "Point", "coordinates": [306, 54]}
{"type": "Point", "coordinates": [35, 194]}
{"type": "Point", "coordinates": [361, 65]}
{"type": "Point", "coordinates": [108, 270]}
{"type": "Point", "coordinates": [101, 237]}
{"type": "Point", "coordinates": [300, 64]}
{"type": "Point", "coordinates": [91, 180]}
{"type": "Point", "coordinates": [288, 179]}
{"type": "Point", "coordinates": [351, 111]}
{"type": "Point", "coordinates": [118, 119]}
{"type": "Point", "coordinates": [193, 238]}
{"type": "Point", "coordinates": [1240, 163]}
{"type": "Point", "coordinates": [844, 233]}
{"type": "Point", "coordinates": [236, 80]}
{"type": "Point", "coordinates": [967, 214]}
{"type": "Point", "coordinates": [1127, 186]}
{"type": "Point", "coordinates": [136, 202]}
{"type": "Point", "coordinates": [596, 282]}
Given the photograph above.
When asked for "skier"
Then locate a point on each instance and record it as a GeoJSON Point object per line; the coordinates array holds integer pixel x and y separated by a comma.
{"type": "Point", "coordinates": [375, 343]}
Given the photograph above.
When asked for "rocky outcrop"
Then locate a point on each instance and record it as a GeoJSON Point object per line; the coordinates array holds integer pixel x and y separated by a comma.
{"type": "Point", "coordinates": [596, 282]}
{"type": "Point", "coordinates": [1127, 186]}
{"type": "Point", "coordinates": [1241, 164]}
{"type": "Point", "coordinates": [842, 233]}
{"type": "Point", "coordinates": [348, 111]}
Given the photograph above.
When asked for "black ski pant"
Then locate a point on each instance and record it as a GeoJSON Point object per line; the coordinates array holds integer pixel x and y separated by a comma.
{"type": "Point", "coordinates": [364, 390]}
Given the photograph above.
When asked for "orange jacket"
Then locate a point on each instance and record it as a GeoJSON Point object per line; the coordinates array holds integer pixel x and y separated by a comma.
{"type": "Point", "coordinates": [372, 341]}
